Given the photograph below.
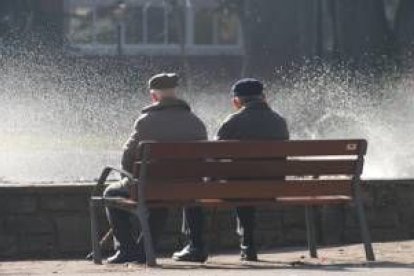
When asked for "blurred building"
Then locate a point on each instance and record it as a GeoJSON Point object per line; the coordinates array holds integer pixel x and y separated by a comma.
{"type": "Point", "coordinates": [254, 35]}
{"type": "Point", "coordinates": [150, 27]}
{"type": "Point", "coordinates": [132, 27]}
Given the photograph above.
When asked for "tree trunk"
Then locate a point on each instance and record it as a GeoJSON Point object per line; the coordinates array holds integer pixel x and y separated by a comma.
{"type": "Point", "coordinates": [245, 25]}
{"type": "Point", "coordinates": [404, 25]}
{"type": "Point", "coordinates": [362, 30]}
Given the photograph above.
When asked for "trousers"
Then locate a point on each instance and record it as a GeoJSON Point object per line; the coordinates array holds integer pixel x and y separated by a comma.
{"type": "Point", "coordinates": [193, 224]}
{"type": "Point", "coordinates": [122, 222]}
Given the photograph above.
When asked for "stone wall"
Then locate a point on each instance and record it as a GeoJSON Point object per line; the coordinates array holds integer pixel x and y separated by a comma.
{"type": "Point", "coordinates": [43, 220]}
{"type": "Point", "coordinates": [50, 221]}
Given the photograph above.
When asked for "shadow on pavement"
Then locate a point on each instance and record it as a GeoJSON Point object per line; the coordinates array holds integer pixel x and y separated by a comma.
{"type": "Point", "coordinates": [285, 265]}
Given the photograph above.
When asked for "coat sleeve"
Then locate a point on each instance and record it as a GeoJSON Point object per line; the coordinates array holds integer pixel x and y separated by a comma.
{"type": "Point", "coordinates": [204, 133]}
{"type": "Point", "coordinates": [129, 149]}
{"type": "Point", "coordinates": [285, 130]}
{"type": "Point", "coordinates": [225, 131]}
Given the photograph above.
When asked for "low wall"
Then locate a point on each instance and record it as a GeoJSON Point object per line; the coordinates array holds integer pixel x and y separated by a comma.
{"type": "Point", "coordinates": [50, 221]}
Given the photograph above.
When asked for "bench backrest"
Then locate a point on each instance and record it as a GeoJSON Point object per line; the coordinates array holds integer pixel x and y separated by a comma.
{"type": "Point", "coordinates": [185, 171]}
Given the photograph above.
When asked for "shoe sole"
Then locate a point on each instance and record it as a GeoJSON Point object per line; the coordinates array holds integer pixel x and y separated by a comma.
{"type": "Point", "coordinates": [178, 259]}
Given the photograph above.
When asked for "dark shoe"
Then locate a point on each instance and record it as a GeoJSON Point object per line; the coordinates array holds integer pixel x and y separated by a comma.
{"type": "Point", "coordinates": [190, 254]}
{"type": "Point", "coordinates": [248, 253]}
{"type": "Point", "coordinates": [121, 257]}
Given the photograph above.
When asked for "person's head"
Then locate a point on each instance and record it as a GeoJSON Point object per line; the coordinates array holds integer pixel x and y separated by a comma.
{"type": "Point", "coordinates": [245, 91]}
{"type": "Point", "coordinates": [163, 86]}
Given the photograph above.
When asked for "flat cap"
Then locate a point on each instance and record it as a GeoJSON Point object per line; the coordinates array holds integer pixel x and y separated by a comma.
{"type": "Point", "coordinates": [163, 81]}
{"type": "Point", "coordinates": [247, 87]}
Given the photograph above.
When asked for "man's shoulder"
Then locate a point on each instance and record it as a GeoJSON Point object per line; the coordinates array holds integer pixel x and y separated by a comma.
{"type": "Point", "coordinates": [278, 115]}
{"type": "Point", "coordinates": [167, 121]}
{"type": "Point", "coordinates": [228, 126]}
{"type": "Point", "coordinates": [141, 119]}
{"type": "Point", "coordinates": [196, 118]}
{"type": "Point", "coordinates": [233, 117]}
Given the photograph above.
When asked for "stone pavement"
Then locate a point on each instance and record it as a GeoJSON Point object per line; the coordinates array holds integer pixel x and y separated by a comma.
{"type": "Point", "coordinates": [392, 258]}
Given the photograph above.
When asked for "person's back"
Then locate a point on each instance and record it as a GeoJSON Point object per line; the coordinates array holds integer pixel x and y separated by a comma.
{"type": "Point", "coordinates": [166, 119]}
{"type": "Point", "coordinates": [254, 120]}
{"type": "Point", "coordinates": [170, 120]}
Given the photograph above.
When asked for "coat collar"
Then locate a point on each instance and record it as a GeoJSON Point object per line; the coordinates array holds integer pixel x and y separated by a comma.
{"type": "Point", "coordinates": [167, 103]}
{"type": "Point", "coordinates": [255, 105]}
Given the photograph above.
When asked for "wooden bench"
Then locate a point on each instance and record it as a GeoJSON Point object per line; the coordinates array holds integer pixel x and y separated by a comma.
{"type": "Point", "coordinates": [232, 173]}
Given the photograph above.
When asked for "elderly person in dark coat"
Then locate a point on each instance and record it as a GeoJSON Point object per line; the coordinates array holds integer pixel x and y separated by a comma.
{"type": "Point", "coordinates": [254, 120]}
{"type": "Point", "coordinates": [166, 119]}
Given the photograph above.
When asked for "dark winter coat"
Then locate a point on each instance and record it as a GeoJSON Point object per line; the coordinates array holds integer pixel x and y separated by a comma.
{"type": "Point", "coordinates": [170, 119]}
{"type": "Point", "coordinates": [255, 121]}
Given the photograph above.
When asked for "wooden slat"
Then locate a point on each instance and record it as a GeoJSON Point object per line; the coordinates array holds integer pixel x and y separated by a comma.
{"type": "Point", "coordinates": [298, 200]}
{"type": "Point", "coordinates": [172, 169]}
{"type": "Point", "coordinates": [130, 205]}
{"type": "Point", "coordinates": [254, 149]}
{"type": "Point", "coordinates": [314, 200]}
{"type": "Point", "coordinates": [305, 201]}
{"type": "Point", "coordinates": [247, 189]}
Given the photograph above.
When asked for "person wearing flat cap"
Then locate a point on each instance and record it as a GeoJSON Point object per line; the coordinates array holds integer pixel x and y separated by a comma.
{"type": "Point", "coordinates": [168, 118]}
{"type": "Point", "coordinates": [253, 120]}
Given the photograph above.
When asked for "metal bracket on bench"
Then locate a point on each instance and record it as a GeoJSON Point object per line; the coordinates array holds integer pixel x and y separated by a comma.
{"type": "Point", "coordinates": [366, 237]}
{"type": "Point", "coordinates": [104, 175]}
{"type": "Point", "coordinates": [310, 230]}
{"type": "Point", "coordinates": [142, 210]}
{"type": "Point", "coordinates": [98, 201]}
{"type": "Point", "coordinates": [96, 249]}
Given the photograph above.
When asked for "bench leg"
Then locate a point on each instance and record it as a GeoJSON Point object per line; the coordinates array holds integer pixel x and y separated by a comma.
{"type": "Point", "coordinates": [215, 234]}
{"type": "Point", "coordinates": [96, 249]}
{"type": "Point", "coordinates": [369, 252]}
{"type": "Point", "coordinates": [142, 213]}
{"type": "Point", "coordinates": [310, 230]}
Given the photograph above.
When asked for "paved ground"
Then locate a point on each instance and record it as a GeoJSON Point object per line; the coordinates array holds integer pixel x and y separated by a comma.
{"type": "Point", "coordinates": [392, 258]}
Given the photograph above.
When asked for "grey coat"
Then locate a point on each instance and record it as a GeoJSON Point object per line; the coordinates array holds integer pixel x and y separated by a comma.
{"type": "Point", "coordinates": [168, 120]}
{"type": "Point", "coordinates": [255, 121]}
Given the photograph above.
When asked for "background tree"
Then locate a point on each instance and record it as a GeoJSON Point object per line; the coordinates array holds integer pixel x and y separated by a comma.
{"type": "Point", "coordinates": [31, 21]}
{"type": "Point", "coordinates": [282, 32]}
{"type": "Point", "coordinates": [362, 30]}
{"type": "Point", "coordinates": [404, 25]}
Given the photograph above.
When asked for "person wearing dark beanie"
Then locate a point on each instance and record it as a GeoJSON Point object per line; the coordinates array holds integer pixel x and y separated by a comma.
{"type": "Point", "coordinates": [253, 120]}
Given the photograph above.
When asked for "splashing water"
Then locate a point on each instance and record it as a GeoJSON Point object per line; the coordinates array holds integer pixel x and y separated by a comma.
{"type": "Point", "coordinates": [330, 106]}
{"type": "Point", "coordinates": [63, 120]}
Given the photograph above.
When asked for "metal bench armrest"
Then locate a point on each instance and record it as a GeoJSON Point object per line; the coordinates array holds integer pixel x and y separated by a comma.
{"type": "Point", "coordinates": [105, 173]}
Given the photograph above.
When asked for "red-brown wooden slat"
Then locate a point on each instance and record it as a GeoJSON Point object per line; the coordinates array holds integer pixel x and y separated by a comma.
{"type": "Point", "coordinates": [305, 201]}
{"type": "Point", "coordinates": [128, 204]}
{"type": "Point", "coordinates": [314, 200]}
{"type": "Point", "coordinates": [171, 169]}
{"type": "Point", "coordinates": [246, 189]}
{"type": "Point", "coordinates": [299, 200]}
{"type": "Point", "coordinates": [254, 149]}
